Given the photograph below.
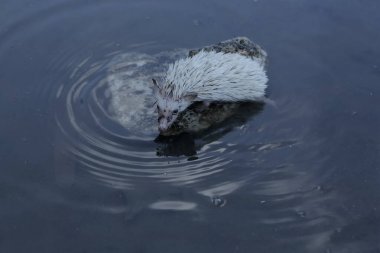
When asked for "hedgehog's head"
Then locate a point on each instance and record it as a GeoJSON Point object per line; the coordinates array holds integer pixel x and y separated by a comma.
{"type": "Point", "coordinates": [169, 107]}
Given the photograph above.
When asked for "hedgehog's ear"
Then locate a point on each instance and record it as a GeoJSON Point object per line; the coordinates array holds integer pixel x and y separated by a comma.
{"type": "Point", "coordinates": [190, 96]}
{"type": "Point", "coordinates": [155, 83]}
{"type": "Point", "coordinates": [156, 87]}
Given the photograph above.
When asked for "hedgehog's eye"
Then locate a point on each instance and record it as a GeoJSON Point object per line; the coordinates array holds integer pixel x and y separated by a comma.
{"type": "Point", "coordinates": [175, 111]}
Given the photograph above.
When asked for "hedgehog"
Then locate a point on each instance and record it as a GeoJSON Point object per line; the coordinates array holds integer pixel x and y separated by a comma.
{"type": "Point", "coordinates": [230, 71]}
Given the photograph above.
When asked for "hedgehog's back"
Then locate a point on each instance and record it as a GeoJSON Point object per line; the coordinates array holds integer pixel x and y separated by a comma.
{"type": "Point", "coordinates": [240, 45]}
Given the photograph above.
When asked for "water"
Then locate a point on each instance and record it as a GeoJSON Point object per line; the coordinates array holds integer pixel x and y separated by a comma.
{"type": "Point", "coordinates": [82, 169]}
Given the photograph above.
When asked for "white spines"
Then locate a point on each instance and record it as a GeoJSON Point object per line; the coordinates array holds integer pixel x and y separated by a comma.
{"type": "Point", "coordinates": [216, 77]}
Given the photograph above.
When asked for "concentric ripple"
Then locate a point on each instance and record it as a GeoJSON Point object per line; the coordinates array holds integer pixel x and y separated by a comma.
{"type": "Point", "coordinates": [105, 113]}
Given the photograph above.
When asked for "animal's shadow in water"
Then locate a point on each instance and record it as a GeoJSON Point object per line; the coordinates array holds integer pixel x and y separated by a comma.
{"type": "Point", "coordinates": [188, 143]}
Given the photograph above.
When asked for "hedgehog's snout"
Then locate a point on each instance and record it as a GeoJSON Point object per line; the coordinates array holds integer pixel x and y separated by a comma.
{"type": "Point", "coordinates": [162, 126]}
{"type": "Point", "coordinates": [165, 122]}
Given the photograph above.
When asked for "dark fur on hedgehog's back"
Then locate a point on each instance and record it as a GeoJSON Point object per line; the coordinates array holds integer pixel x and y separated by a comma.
{"type": "Point", "coordinates": [240, 45]}
{"type": "Point", "coordinates": [192, 121]}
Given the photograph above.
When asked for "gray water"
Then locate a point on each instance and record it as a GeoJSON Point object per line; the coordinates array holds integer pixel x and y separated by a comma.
{"type": "Point", "coordinates": [80, 174]}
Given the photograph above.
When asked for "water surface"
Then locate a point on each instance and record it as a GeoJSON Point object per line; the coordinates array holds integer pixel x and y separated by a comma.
{"type": "Point", "coordinates": [82, 169]}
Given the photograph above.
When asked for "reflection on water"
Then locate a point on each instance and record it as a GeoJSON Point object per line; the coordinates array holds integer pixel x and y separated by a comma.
{"type": "Point", "coordinates": [173, 205]}
{"type": "Point", "coordinates": [129, 83]}
{"type": "Point", "coordinates": [83, 167]}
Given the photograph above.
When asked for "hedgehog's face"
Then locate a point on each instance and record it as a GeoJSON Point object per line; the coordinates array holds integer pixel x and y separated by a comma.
{"type": "Point", "coordinates": [168, 111]}
{"type": "Point", "coordinates": [168, 107]}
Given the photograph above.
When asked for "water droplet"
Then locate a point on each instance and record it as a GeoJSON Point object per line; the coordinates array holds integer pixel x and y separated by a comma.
{"type": "Point", "coordinates": [301, 214]}
{"type": "Point", "coordinates": [218, 201]}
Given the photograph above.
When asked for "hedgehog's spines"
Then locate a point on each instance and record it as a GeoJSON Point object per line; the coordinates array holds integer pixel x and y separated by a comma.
{"type": "Point", "coordinates": [216, 76]}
